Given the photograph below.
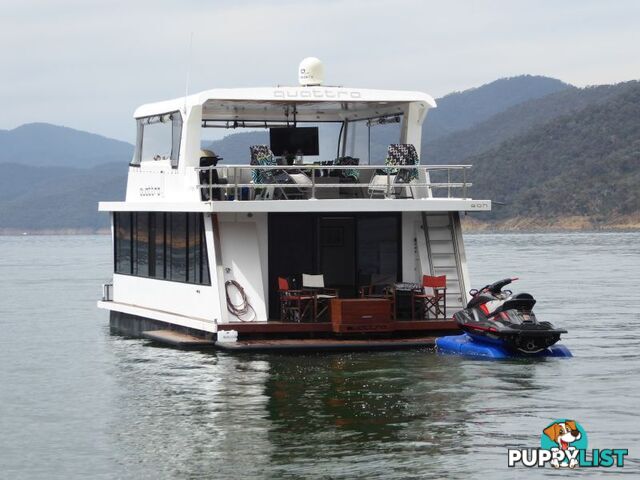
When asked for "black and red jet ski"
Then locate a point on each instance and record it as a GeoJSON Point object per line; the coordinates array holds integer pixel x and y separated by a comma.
{"type": "Point", "coordinates": [500, 317]}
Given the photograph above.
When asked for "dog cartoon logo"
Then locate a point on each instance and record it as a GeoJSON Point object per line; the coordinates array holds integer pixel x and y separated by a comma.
{"type": "Point", "coordinates": [567, 436]}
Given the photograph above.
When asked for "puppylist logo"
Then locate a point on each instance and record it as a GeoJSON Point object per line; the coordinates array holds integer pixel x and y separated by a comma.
{"type": "Point", "coordinates": [563, 444]}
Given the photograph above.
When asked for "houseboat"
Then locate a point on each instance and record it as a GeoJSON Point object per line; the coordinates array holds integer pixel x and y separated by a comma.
{"type": "Point", "coordinates": [330, 231]}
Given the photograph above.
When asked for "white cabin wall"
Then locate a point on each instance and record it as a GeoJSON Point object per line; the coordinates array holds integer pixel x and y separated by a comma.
{"type": "Point", "coordinates": [464, 270]}
{"type": "Point", "coordinates": [187, 299]}
{"type": "Point", "coordinates": [241, 259]}
{"type": "Point", "coordinates": [411, 128]}
{"type": "Point", "coordinates": [191, 135]}
{"type": "Point", "coordinates": [411, 132]}
{"type": "Point", "coordinates": [262, 225]}
{"type": "Point", "coordinates": [155, 181]}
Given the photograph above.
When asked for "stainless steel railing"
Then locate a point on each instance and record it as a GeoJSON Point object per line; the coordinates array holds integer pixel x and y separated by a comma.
{"type": "Point", "coordinates": [384, 182]}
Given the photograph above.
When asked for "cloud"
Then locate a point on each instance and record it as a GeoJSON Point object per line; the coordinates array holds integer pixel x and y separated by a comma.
{"type": "Point", "coordinates": [89, 64]}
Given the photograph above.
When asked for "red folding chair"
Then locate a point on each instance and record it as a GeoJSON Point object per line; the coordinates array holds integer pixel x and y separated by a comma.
{"type": "Point", "coordinates": [431, 298]}
{"type": "Point", "coordinates": [295, 305]}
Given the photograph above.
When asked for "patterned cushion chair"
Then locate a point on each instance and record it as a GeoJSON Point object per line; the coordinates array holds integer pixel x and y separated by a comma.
{"type": "Point", "coordinates": [262, 155]}
{"type": "Point", "coordinates": [402, 154]}
{"type": "Point", "coordinates": [351, 174]}
{"type": "Point", "coordinates": [397, 154]}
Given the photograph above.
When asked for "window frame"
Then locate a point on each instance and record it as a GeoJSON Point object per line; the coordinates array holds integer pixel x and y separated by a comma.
{"type": "Point", "coordinates": [196, 273]}
{"type": "Point", "coordinates": [175, 117]}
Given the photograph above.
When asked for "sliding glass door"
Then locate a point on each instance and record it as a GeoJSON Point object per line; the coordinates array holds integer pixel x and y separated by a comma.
{"type": "Point", "coordinates": [349, 249]}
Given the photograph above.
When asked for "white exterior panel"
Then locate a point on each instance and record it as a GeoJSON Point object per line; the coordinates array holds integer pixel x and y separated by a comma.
{"type": "Point", "coordinates": [241, 262]}
{"type": "Point", "coordinates": [190, 300]}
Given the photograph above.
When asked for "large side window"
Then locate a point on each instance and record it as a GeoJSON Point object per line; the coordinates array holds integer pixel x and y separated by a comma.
{"type": "Point", "coordinates": [165, 246]}
{"type": "Point", "coordinates": [158, 138]}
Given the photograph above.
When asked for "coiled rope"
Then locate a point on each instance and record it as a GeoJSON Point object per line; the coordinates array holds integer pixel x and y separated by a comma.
{"type": "Point", "coordinates": [241, 309]}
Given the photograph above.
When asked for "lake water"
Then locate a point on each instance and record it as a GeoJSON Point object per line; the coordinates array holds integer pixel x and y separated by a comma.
{"type": "Point", "coordinates": [77, 402]}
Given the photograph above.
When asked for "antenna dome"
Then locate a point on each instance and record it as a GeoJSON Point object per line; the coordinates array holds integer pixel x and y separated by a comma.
{"type": "Point", "coordinates": [310, 72]}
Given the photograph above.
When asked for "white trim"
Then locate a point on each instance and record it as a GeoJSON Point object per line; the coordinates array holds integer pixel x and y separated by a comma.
{"type": "Point", "coordinates": [285, 95]}
{"type": "Point", "coordinates": [198, 324]}
{"type": "Point", "coordinates": [325, 205]}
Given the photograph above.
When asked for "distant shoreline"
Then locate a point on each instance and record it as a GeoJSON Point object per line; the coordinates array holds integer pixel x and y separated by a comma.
{"type": "Point", "coordinates": [470, 225]}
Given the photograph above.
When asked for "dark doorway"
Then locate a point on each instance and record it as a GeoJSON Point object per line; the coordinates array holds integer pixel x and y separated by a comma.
{"type": "Point", "coordinates": [349, 249]}
{"type": "Point", "coordinates": [337, 253]}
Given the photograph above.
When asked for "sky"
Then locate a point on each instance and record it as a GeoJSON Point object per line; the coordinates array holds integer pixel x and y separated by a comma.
{"type": "Point", "coordinates": [87, 64]}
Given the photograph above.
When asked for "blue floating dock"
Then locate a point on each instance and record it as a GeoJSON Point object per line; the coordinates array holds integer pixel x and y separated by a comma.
{"type": "Point", "coordinates": [464, 345]}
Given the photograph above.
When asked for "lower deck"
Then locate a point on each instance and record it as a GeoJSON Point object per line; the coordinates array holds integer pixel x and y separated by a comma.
{"type": "Point", "coordinates": [278, 327]}
{"type": "Point", "coordinates": [326, 345]}
{"type": "Point", "coordinates": [282, 336]}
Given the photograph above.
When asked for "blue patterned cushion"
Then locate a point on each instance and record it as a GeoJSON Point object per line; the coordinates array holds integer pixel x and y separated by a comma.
{"type": "Point", "coordinates": [262, 155]}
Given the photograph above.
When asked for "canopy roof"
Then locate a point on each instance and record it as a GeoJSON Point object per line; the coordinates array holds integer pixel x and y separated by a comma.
{"type": "Point", "coordinates": [309, 103]}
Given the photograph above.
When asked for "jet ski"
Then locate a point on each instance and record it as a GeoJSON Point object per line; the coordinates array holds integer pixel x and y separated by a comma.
{"type": "Point", "coordinates": [500, 317]}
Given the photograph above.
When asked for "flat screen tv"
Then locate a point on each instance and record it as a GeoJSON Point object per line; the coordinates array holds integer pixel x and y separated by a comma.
{"type": "Point", "coordinates": [294, 140]}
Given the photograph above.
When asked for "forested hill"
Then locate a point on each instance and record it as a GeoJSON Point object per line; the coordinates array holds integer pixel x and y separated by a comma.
{"type": "Point", "coordinates": [555, 155]}
{"type": "Point", "coordinates": [516, 120]}
{"type": "Point", "coordinates": [43, 144]}
{"type": "Point", "coordinates": [461, 110]}
{"type": "Point", "coordinates": [585, 165]}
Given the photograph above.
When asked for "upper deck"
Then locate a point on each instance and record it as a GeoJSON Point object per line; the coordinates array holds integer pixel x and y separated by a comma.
{"type": "Point", "coordinates": [171, 172]}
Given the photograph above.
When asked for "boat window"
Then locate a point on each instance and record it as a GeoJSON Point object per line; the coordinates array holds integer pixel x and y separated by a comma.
{"type": "Point", "coordinates": [122, 243]}
{"type": "Point", "coordinates": [369, 140]}
{"type": "Point", "coordinates": [178, 247]}
{"type": "Point", "coordinates": [158, 138]}
{"type": "Point", "coordinates": [165, 246]}
{"type": "Point", "coordinates": [141, 244]}
{"type": "Point", "coordinates": [157, 231]}
{"type": "Point", "coordinates": [238, 139]}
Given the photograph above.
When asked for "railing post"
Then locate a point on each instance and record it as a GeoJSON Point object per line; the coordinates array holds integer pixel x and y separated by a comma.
{"type": "Point", "coordinates": [313, 182]}
{"type": "Point", "coordinates": [235, 182]}
{"type": "Point", "coordinates": [464, 182]}
{"type": "Point", "coordinates": [387, 193]}
{"type": "Point", "coordinates": [448, 182]}
{"type": "Point", "coordinates": [210, 182]}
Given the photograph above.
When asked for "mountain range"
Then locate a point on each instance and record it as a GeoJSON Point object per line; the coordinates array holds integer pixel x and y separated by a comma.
{"type": "Point", "coordinates": [549, 153]}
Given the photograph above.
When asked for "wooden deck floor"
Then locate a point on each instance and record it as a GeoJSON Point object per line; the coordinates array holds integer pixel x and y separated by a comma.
{"type": "Point", "coordinates": [273, 326]}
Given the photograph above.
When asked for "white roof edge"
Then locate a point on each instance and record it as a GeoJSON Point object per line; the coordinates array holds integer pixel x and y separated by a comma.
{"type": "Point", "coordinates": [328, 205]}
{"type": "Point", "coordinates": [287, 94]}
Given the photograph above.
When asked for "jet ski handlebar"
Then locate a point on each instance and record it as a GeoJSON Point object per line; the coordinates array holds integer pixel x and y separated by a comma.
{"type": "Point", "coordinates": [494, 288]}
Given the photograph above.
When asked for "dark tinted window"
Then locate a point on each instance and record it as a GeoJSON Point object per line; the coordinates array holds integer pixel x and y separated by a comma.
{"type": "Point", "coordinates": [159, 234]}
{"type": "Point", "coordinates": [194, 254]}
{"type": "Point", "coordinates": [178, 242]}
{"type": "Point", "coordinates": [204, 279]}
{"type": "Point", "coordinates": [166, 246]}
{"type": "Point", "coordinates": [141, 244]}
{"type": "Point", "coordinates": [122, 229]}
{"type": "Point", "coordinates": [378, 247]}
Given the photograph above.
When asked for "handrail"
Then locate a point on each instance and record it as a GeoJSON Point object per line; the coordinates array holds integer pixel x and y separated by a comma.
{"type": "Point", "coordinates": [390, 171]}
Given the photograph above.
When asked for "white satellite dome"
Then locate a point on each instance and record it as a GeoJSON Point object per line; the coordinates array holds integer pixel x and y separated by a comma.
{"type": "Point", "coordinates": [310, 72]}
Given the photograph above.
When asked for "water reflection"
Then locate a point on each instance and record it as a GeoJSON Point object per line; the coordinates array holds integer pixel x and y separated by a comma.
{"type": "Point", "coordinates": [353, 413]}
{"type": "Point", "coordinates": [80, 403]}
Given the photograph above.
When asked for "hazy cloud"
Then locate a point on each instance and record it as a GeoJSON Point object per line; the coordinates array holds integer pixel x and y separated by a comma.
{"type": "Point", "coordinates": [88, 64]}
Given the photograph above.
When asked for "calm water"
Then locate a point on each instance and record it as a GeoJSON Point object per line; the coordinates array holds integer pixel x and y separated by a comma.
{"type": "Point", "coordinates": [76, 402]}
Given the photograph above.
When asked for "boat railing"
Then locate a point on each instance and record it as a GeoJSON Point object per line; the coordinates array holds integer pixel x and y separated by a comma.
{"type": "Point", "coordinates": [236, 183]}
{"type": "Point", "coordinates": [107, 292]}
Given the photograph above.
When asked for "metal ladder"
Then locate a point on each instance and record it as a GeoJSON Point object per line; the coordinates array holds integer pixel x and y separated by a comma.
{"type": "Point", "coordinates": [444, 255]}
